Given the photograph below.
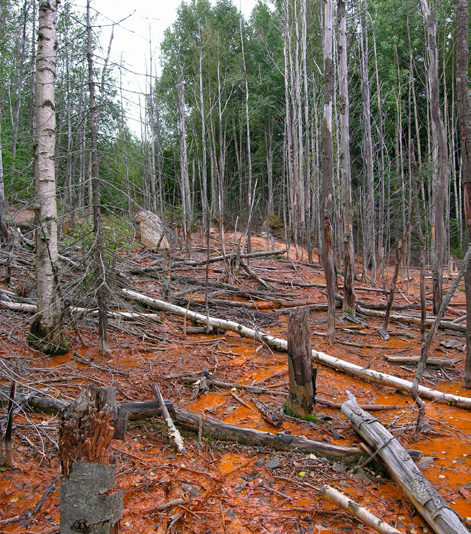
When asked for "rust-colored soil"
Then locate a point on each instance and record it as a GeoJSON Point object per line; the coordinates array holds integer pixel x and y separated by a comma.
{"type": "Point", "coordinates": [226, 487]}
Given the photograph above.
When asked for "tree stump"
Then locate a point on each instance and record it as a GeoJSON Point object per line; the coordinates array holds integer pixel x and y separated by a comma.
{"type": "Point", "coordinates": [88, 501]}
{"type": "Point", "coordinates": [302, 377]}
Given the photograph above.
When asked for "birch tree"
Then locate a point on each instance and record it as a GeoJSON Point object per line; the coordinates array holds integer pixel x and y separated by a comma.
{"type": "Point", "coordinates": [46, 332]}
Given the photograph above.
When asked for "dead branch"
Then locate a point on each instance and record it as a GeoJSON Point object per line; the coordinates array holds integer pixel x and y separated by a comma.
{"type": "Point", "coordinates": [172, 430]}
{"type": "Point", "coordinates": [336, 497]}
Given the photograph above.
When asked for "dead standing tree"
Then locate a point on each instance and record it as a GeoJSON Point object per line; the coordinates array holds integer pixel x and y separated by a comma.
{"type": "Point", "coordinates": [464, 115]}
{"type": "Point", "coordinates": [439, 142]}
{"type": "Point", "coordinates": [101, 288]}
{"type": "Point", "coordinates": [302, 377]}
{"type": "Point", "coordinates": [328, 170]}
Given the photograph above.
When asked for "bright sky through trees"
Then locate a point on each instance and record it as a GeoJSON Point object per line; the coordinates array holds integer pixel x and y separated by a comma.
{"type": "Point", "coordinates": [141, 29]}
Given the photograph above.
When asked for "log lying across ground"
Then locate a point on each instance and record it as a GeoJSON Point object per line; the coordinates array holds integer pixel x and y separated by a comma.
{"type": "Point", "coordinates": [320, 357]}
{"type": "Point", "coordinates": [432, 506]}
{"type": "Point", "coordinates": [220, 430]}
{"type": "Point", "coordinates": [447, 325]}
{"type": "Point", "coordinates": [211, 428]}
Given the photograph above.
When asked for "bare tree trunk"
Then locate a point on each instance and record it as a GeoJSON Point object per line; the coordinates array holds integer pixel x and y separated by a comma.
{"type": "Point", "coordinates": [345, 170]}
{"type": "Point", "coordinates": [204, 169]}
{"type": "Point", "coordinates": [370, 235]}
{"type": "Point", "coordinates": [101, 282]}
{"type": "Point", "coordinates": [328, 170]}
{"type": "Point", "coordinates": [46, 332]}
{"type": "Point", "coordinates": [439, 129]}
{"type": "Point", "coordinates": [3, 222]}
{"type": "Point", "coordinates": [464, 116]}
{"type": "Point", "coordinates": [249, 150]}
{"type": "Point", "coordinates": [184, 176]}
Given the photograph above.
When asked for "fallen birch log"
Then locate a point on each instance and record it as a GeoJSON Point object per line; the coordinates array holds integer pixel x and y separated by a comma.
{"type": "Point", "coordinates": [282, 345]}
{"type": "Point", "coordinates": [364, 515]}
{"type": "Point", "coordinates": [446, 325]}
{"type": "Point", "coordinates": [429, 503]}
{"type": "Point", "coordinates": [128, 316]}
{"type": "Point", "coordinates": [435, 362]}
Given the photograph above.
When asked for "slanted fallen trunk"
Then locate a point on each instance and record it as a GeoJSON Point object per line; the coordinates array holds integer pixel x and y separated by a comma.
{"type": "Point", "coordinates": [320, 357]}
{"type": "Point", "coordinates": [432, 506]}
{"type": "Point", "coordinates": [364, 515]}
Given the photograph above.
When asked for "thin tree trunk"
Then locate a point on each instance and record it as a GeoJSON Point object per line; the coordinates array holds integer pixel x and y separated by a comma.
{"type": "Point", "coordinates": [101, 281]}
{"type": "Point", "coordinates": [328, 170]}
{"type": "Point", "coordinates": [464, 116]}
{"type": "Point", "coordinates": [439, 236]}
{"type": "Point", "coordinates": [345, 170]}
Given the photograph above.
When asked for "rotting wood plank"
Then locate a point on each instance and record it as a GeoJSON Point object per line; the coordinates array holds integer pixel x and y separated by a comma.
{"type": "Point", "coordinates": [325, 359]}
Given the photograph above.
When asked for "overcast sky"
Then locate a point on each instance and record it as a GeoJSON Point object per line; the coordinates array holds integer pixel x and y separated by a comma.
{"type": "Point", "coordinates": [143, 23]}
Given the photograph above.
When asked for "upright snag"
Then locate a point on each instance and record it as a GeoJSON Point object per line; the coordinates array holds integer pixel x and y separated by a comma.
{"type": "Point", "coordinates": [302, 378]}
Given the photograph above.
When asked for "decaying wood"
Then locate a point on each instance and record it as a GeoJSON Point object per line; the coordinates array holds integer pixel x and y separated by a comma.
{"type": "Point", "coordinates": [173, 432]}
{"type": "Point", "coordinates": [88, 499]}
{"type": "Point", "coordinates": [87, 428]}
{"type": "Point", "coordinates": [446, 325]}
{"type": "Point", "coordinates": [302, 379]}
{"type": "Point", "coordinates": [214, 259]}
{"type": "Point", "coordinates": [434, 509]}
{"type": "Point", "coordinates": [336, 497]}
{"type": "Point", "coordinates": [214, 429]}
{"type": "Point", "coordinates": [268, 415]}
{"type": "Point", "coordinates": [436, 362]}
{"type": "Point", "coordinates": [9, 426]}
{"type": "Point", "coordinates": [320, 357]}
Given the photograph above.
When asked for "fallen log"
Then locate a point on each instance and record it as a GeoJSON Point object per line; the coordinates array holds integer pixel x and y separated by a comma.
{"type": "Point", "coordinates": [211, 428]}
{"type": "Point", "coordinates": [364, 515]}
{"type": "Point", "coordinates": [320, 357]}
{"type": "Point", "coordinates": [435, 362]}
{"type": "Point", "coordinates": [214, 259]}
{"type": "Point", "coordinates": [446, 325]}
{"type": "Point", "coordinates": [220, 430]}
{"type": "Point", "coordinates": [432, 506]}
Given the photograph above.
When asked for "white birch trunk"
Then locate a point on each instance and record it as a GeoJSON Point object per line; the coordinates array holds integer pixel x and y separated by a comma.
{"type": "Point", "coordinates": [46, 330]}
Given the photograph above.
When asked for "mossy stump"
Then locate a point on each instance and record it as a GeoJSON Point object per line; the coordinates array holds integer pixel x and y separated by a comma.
{"type": "Point", "coordinates": [51, 342]}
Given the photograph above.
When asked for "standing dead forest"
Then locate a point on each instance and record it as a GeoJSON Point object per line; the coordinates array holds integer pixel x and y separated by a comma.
{"type": "Point", "coordinates": [249, 314]}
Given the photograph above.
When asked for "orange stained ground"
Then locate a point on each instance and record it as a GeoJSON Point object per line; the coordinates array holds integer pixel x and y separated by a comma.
{"type": "Point", "coordinates": [225, 488]}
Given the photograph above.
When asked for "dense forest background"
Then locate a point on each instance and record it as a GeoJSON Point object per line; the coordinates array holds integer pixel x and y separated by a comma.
{"type": "Point", "coordinates": [231, 129]}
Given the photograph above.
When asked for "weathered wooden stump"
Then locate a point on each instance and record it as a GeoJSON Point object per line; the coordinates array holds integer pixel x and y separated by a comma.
{"type": "Point", "coordinates": [88, 500]}
{"type": "Point", "coordinates": [302, 377]}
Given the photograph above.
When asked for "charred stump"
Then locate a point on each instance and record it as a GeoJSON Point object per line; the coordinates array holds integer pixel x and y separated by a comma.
{"type": "Point", "coordinates": [89, 502]}
{"type": "Point", "coordinates": [302, 378]}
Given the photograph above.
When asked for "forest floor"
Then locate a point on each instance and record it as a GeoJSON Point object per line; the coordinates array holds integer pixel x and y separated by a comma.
{"type": "Point", "coordinates": [224, 487]}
